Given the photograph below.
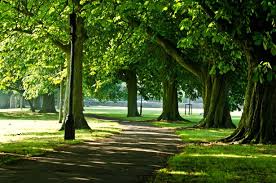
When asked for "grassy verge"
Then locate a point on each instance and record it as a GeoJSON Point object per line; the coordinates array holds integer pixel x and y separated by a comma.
{"type": "Point", "coordinates": [202, 160]}
{"type": "Point", "coordinates": [221, 163]}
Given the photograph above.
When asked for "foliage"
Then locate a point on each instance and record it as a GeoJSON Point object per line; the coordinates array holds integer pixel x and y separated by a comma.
{"type": "Point", "coordinates": [29, 67]}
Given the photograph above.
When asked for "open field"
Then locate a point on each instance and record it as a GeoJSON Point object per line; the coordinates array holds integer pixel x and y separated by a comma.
{"type": "Point", "coordinates": [29, 134]}
{"type": "Point", "coordinates": [202, 159]}
{"type": "Point", "coordinates": [149, 113]}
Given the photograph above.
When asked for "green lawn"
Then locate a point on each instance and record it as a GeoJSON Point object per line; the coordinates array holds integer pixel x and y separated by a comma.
{"type": "Point", "coordinates": [27, 115]}
{"type": "Point", "coordinates": [221, 163]}
{"type": "Point", "coordinates": [22, 136]}
{"type": "Point", "coordinates": [121, 113]}
{"type": "Point", "coordinates": [203, 160]}
{"type": "Point", "coordinates": [200, 160]}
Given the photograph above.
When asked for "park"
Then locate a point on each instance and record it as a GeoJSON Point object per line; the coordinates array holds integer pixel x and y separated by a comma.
{"type": "Point", "coordinates": [142, 91]}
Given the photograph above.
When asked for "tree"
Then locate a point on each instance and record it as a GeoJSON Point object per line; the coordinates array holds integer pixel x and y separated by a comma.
{"type": "Point", "coordinates": [165, 32]}
{"type": "Point", "coordinates": [48, 104]}
{"type": "Point", "coordinates": [27, 68]}
{"type": "Point", "coordinates": [170, 76]}
{"type": "Point", "coordinates": [49, 20]}
{"type": "Point", "coordinates": [252, 25]}
{"type": "Point", "coordinates": [131, 81]}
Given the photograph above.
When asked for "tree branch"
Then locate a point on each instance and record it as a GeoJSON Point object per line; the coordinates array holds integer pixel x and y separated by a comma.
{"type": "Point", "coordinates": [59, 44]}
{"type": "Point", "coordinates": [170, 49]}
{"type": "Point", "coordinates": [178, 56]}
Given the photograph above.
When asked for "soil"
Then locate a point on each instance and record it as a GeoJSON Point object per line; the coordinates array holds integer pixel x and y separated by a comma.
{"type": "Point", "coordinates": [130, 157]}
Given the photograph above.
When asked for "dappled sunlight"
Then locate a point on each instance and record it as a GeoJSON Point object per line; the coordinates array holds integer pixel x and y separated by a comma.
{"type": "Point", "coordinates": [203, 135]}
{"type": "Point", "coordinates": [18, 130]}
{"type": "Point", "coordinates": [137, 151]}
{"type": "Point", "coordinates": [25, 114]}
{"type": "Point", "coordinates": [80, 178]}
{"type": "Point", "coordinates": [222, 162]}
{"type": "Point", "coordinates": [180, 176]}
{"type": "Point", "coordinates": [11, 130]}
{"type": "Point", "coordinates": [173, 172]}
{"type": "Point", "coordinates": [222, 155]}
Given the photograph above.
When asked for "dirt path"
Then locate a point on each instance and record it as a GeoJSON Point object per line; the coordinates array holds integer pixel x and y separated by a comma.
{"type": "Point", "coordinates": [130, 157]}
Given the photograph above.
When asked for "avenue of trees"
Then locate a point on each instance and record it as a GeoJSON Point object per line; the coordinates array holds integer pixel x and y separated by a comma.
{"type": "Point", "coordinates": [222, 51]}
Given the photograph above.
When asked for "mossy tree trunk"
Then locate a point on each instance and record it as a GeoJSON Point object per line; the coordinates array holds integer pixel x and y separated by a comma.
{"type": "Point", "coordinates": [48, 104]}
{"type": "Point", "coordinates": [79, 119]}
{"type": "Point", "coordinates": [216, 109]}
{"type": "Point", "coordinates": [131, 81]}
{"type": "Point", "coordinates": [258, 121]}
{"type": "Point", "coordinates": [170, 101]}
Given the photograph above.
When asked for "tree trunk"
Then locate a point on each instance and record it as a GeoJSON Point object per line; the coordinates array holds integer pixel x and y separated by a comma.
{"type": "Point", "coordinates": [48, 104]}
{"type": "Point", "coordinates": [131, 81]}
{"type": "Point", "coordinates": [31, 105]}
{"type": "Point", "coordinates": [141, 106]}
{"type": "Point", "coordinates": [170, 101]}
{"type": "Point", "coordinates": [22, 102]}
{"type": "Point", "coordinates": [216, 110]}
{"type": "Point", "coordinates": [37, 103]}
{"type": "Point", "coordinates": [61, 102]}
{"type": "Point", "coordinates": [80, 121]}
{"type": "Point", "coordinates": [258, 121]}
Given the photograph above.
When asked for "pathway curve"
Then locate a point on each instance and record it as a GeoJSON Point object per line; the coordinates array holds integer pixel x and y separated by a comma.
{"type": "Point", "coordinates": [129, 157]}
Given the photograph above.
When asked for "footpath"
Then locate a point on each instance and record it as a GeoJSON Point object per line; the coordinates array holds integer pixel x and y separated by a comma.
{"type": "Point", "coordinates": [130, 157]}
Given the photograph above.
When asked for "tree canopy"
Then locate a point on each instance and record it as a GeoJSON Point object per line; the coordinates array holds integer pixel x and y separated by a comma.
{"type": "Point", "coordinates": [222, 51]}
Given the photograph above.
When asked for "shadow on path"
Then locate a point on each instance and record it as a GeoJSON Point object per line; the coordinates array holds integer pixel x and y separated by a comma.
{"type": "Point", "coordinates": [129, 157]}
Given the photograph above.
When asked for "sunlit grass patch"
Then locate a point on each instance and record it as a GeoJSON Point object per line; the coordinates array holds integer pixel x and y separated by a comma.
{"type": "Point", "coordinates": [29, 142]}
{"type": "Point", "coordinates": [28, 115]}
{"type": "Point", "coordinates": [221, 163]}
{"type": "Point", "coordinates": [236, 119]}
{"type": "Point", "coordinates": [203, 135]}
{"type": "Point", "coordinates": [173, 124]}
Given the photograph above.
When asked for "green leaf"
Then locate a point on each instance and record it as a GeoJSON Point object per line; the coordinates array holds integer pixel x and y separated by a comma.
{"type": "Point", "coordinates": [273, 50]}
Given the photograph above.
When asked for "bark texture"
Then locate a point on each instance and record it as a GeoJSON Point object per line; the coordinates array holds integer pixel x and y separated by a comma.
{"type": "Point", "coordinates": [216, 110]}
{"type": "Point", "coordinates": [131, 81]}
{"type": "Point", "coordinates": [258, 121]}
{"type": "Point", "coordinates": [170, 101]}
{"type": "Point", "coordinates": [48, 104]}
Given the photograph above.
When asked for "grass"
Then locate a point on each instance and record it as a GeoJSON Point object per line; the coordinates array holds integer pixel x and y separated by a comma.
{"type": "Point", "coordinates": [27, 115]}
{"type": "Point", "coordinates": [30, 141]}
{"type": "Point", "coordinates": [221, 163]}
{"type": "Point", "coordinates": [200, 160]}
{"type": "Point", "coordinates": [121, 113]}
{"type": "Point", "coordinates": [203, 160]}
